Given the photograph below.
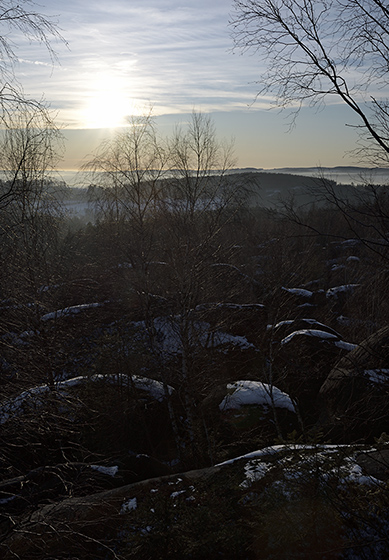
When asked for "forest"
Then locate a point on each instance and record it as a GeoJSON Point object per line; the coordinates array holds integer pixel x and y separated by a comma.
{"type": "Point", "coordinates": [187, 372]}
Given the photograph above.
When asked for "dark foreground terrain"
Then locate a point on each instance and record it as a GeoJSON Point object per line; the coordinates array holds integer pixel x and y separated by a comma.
{"type": "Point", "coordinates": [202, 383]}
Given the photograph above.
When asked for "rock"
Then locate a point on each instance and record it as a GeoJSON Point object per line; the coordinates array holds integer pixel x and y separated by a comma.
{"type": "Point", "coordinates": [375, 463]}
{"type": "Point", "coordinates": [265, 497]}
{"type": "Point", "coordinates": [339, 296]}
{"type": "Point", "coordinates": [99, 416]}
{"type": "Point", "coordinates": [302, 361]}
{"type": "Point", "coordinates": [137, 467]}
{"type": "Point", "coordinates": [243, 416]}
{"type": "Point", "coordinates": [297, 302]}
{"type": "Point", "coordinates": [283, 328]}
{"type": "Point", "coordinates": [52, 483]}
{"type": "Point", "coordinates": [85, 524]}
{"type": "Point", "coordinates": [247, 320]}
{"type": "Point", "coordinates": [355, 394]}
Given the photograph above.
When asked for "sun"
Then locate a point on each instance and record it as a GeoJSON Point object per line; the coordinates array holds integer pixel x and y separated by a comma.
{"type": "Point", "coordinates": [107, 105]}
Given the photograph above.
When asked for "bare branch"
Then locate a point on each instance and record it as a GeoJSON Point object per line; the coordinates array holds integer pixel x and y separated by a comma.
{"type": "Point", "coordinates": [318, 50]}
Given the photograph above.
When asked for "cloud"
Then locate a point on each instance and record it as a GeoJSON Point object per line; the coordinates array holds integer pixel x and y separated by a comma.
{"type": "Point", "coordinates": [34, 62]}
{"type": "Point", "coordinates": [173, 54]}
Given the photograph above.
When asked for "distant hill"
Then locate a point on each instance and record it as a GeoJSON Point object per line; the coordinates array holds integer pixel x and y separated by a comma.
{"type": "Point", "coordinates": [270, 188]}
{"type": "Point", "coordinates": [246, 170]}
{"type": "Point", "coordinates": [318, 169]}
{"type": "Point", "coordinates": [347, 174]}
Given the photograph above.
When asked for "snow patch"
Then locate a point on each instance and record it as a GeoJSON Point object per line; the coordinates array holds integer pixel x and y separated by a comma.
{"type": "Point", "coordinates": [254, 471]}
{"type": "Point", "coordinates": [355, 474]}
{"type": "Point", "coordinates": [129, 505]}
{"type": "Point", "coordinates": [344, 289]}
{"type": "Point", "coordinates": [169, 339]}
{"type": "Point", "coordinates": [109, 471]}
{"type": "Point", "coordinates": [4, 501]}
{"type": "Point", "coordinates": [275, 449]}
{"type": "Point", "coordinates": [350, 242]}
{"type": "Point", "coordinates": [377, 375]}
{"type": "Point", "coordinates": [72, 310]}
{"type": "Point", "coordinates": [255, 393]}
{"type": "Point", "coordinates": [302, 292]}
{"type": "Point", "coordinates": [324, 335]}
{"type": "Point", "coordinates": [345, 345]}
{"type": "Point", "coordinates": [316, 462]}
{"type": "Point", "coordinates": [178, 493]}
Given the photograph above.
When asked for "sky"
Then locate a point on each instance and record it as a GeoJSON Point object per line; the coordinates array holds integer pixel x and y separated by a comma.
{"type": "Point", "coordinates": [124, 56]}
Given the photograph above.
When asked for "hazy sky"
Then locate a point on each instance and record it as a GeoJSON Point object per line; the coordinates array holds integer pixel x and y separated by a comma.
{"type": "Point", "coordinates": [176, 55]}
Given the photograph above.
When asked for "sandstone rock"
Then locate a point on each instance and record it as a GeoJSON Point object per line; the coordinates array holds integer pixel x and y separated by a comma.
{"type": "Point", "coordinates": [356, 392]}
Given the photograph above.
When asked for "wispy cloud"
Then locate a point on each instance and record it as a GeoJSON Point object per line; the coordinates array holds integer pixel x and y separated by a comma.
{"type": "Point", "coordinates": [34, 62]}
{"type": "Point", "coordinates": [176, 56]}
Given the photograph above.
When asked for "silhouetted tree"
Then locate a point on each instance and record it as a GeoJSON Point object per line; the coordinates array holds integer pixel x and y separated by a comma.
{"type": "Point", "coordinates": [169, 203]}
{"type": "Point", "coordinates": [314, 51]}
{"type": "Point", "coordinates": [21, 18]}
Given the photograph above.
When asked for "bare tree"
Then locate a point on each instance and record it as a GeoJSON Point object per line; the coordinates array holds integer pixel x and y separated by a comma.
{"type": "Point", "coordinates": [201, 202]}
{"type": "Point", "coordinates": [20, 18]}
{"type": "Point", "coordinates": [170, 203]}
{"type": "Point", "coordinates": [127, 172]}
{"type": "Point", "coordinates": [30, 147]}
{"type": "Point", "coordinates": [316, 50]}
{"type": "Point", "coordinates": [19, 21]}
{"type": "Point", "coordinates": [128, 168]}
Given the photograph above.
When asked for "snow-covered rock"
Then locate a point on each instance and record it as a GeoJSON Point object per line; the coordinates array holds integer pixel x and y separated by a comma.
{"type": "Point", "coordinates": [68, 311]}
{"type": "Point", "coordinates": [37, 396]}
{"type": "Point", "coordinates": [242, 393]}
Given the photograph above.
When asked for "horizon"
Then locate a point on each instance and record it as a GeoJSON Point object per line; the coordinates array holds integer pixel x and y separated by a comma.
{"type": "Point", "coordinates": [340, 174]}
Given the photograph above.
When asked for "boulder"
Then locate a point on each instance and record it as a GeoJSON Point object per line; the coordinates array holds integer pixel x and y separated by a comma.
{"type": "Point", "coordinates": [89, 527]}
{"type": "Point", "coordinates": [50, 483]}
{"type": "Point", "coordinates": [246, 413]}
{"type": "Point", "coordinates": [297, 302]}
{"type": "Point", "coordinates": [261, 501]}
{"type": "Point", "coordinates": [355, 394]}
{"type": "Point", "coordinates": [84, 417]}
{"type": "Point", "coordinates": [247, 320]}
{"type": "Point", "coordinates": [339, 296]}
{"type": "Point", "coordinates": [283, 328]}
{"type": "Point", "coordinates": [302, 361]}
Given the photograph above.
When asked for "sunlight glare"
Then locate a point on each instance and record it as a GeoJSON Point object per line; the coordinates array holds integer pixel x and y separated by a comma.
{"type": "Point", "coordinates": [108, 104]}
